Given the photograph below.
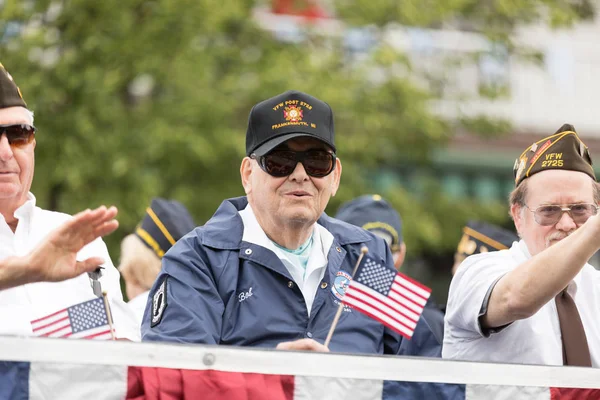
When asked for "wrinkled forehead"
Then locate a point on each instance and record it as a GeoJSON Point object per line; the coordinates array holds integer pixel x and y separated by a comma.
{"type": "Point", "coordinates": [15, 115]}
{"type": "Point", "coordinates": [302, 144]}
{"type": "Point", "coordinates": [560, 187]}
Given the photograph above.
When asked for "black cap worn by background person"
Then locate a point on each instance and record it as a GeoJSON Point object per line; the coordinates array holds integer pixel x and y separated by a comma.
{"type": "Point", "coordinates": [286, 116]}
{"type": "Point", "coordinates": [10, 94]}
{"type": "Point", "coordinates": [563, 150]}
{"type": "Point", "coordinates": [374, 214]}
{"type": "Point", "coordinates": [165, 222]}
{"type": "Point", "coordinates": [481, 237]}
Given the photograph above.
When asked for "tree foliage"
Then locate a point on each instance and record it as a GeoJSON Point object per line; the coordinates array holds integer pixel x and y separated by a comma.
{"type": "Point", "coordinates": [141, 98]}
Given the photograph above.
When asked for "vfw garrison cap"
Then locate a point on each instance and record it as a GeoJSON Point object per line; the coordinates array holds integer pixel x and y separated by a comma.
{"type": "Point", "coordinates": [481, 237]}
{"type": "Point", "coordinates": [286, 116]}
{"type": "Point", "coordinates": [10, 94]}
{"type": "Point", "coordinates": [165, 222]}
{"type": "Point", "coordinates": [563, 150]}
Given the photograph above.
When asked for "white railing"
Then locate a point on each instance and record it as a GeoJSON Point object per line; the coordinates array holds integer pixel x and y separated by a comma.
{"type": "Point", "coordinates": [334, 365]}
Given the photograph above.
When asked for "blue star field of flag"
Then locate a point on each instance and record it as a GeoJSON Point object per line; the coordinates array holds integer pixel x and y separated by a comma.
{"type": "Point", "coordinates": [88, 315]}
{"type": "Point", "coordinates": [375, 276]}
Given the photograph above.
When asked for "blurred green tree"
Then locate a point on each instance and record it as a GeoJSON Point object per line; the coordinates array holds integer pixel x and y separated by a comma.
{"type": "Point", "coordinates": [142, 98]}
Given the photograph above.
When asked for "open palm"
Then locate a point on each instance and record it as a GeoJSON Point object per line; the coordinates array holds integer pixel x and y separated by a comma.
{"type": "Point", "coordinates": [55, 258]}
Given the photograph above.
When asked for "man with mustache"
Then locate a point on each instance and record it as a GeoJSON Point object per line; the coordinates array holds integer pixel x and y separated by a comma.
{"type": "Point", "coordinates": [537, 302]}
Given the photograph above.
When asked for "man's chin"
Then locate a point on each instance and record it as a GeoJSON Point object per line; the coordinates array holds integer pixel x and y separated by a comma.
{"type": "Point", "coordinates": [8, 190]}
{"type": "Point", "coordinates": [299, 216]}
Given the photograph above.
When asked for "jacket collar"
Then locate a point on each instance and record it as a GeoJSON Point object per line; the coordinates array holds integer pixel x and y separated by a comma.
{"type": "Point", "coordinates": [343, 232]}
{"type": "Point", "coordinates": [225, 228]}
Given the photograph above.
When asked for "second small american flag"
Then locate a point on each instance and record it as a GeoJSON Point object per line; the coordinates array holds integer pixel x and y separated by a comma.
{"type": "Point", "coordinates": [87, 320]}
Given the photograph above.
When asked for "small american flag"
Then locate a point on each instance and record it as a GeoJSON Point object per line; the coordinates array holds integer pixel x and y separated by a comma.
{"type": "Point", "coordinates": [387, 296]}
{"type": "Point", "coordinates": [87, 320]}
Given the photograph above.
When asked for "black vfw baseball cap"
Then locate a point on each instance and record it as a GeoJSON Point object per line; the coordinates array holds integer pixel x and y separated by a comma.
{"type": "Point", "coordinates": [286, 116]}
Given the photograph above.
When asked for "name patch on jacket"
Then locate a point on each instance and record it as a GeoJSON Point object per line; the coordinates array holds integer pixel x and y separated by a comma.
{"type": "Point", "coordinates": [245, 295]}
{"type": "Point", "coordinates": [159, 303]}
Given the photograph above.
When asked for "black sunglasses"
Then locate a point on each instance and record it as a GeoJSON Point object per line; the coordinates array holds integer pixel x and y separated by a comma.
{"type": "Point", "coordinates": [18, 135]}
{"type": "Point", "coordinates": [280, 163]}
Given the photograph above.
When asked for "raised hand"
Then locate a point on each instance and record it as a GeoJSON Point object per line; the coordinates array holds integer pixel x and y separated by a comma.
{"type": "Point", "coordinates": [54, 259]}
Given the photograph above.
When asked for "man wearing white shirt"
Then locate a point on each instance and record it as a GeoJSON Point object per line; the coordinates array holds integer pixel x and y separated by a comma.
{"type": "Point", "coordinates": [537, 302]}
{"type": "Point", "coordinates": [23, 225]}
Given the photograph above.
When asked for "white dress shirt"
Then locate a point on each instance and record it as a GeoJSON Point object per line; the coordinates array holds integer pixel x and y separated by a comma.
{"type": "Point", "coordinates": [138, 306]}
{"type": "Point", "coordinates": [20, 305]}
{"type": "Point", "coordinates": [535, 340]}
{"type": "Point", "coordinates": [308, 281]}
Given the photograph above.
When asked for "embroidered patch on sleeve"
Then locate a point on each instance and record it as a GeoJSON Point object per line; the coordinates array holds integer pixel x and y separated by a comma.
{"type": "Point", "coordinates": [159, 303]}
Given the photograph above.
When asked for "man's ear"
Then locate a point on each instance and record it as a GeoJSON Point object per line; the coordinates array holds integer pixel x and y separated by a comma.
{"type": "Point", "coordinates": [399, 256]}
{"type": "Point", "coordinates": [246, 173]}
{"type": "Point", "coordinates": [516, 212]}
{"type": "Point", "coordinates": [337, 174]}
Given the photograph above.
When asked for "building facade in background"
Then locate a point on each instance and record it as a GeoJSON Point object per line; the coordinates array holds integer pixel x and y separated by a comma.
{"type": "Point", "coordinates": [534, 97]}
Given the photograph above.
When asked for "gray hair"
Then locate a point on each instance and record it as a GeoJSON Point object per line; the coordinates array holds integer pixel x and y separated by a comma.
{"type": "Point", "coordinates": [30, 116]}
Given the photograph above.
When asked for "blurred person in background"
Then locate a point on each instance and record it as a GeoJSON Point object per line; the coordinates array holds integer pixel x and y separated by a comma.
{"type": "Point", "coordinates": [481, 237]}
{"type": "Point", "coordinates": [373, 213]}
{"type": "Point", "coordinates": [165, 222]}
{"type": "Point", "coordinates": [54, 259]}
{"type": "Point", "coordinates": [24, 225]}
{"type": "Point", "coordinates": [537, 302]}
{"type": "Point", "coordinates": [376, 215]}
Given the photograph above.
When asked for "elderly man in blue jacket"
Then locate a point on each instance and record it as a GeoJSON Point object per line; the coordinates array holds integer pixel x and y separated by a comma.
{"type": "Point", "coordinates": [261, 271]}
